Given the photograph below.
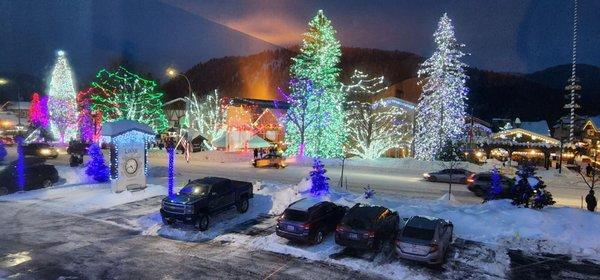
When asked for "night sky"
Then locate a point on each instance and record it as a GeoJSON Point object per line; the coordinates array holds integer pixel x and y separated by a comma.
{"type": "Point", "coordinates": [516, 36]}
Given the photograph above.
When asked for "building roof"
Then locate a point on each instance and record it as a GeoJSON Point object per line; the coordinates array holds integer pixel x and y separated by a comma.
{"type": "Point", "coordinates": [595, 121]}
{"type": "Point", "coordinates": [539, 127]}
{"type": "Point", "coordinates": [116, 128]}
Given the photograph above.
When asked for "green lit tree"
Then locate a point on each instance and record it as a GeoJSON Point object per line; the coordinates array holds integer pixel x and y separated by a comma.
{"type": "Point", "coordinates": [318, 62]}
{"type": "Point", "coordinates": [125, 95]}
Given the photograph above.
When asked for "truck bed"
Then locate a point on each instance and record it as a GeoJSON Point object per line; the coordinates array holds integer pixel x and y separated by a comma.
{"type": "Point", "coordinates": [242, 186]}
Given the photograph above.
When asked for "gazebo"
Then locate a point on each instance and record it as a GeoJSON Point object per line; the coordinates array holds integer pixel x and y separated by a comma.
{"type": "Point", "coordinates": [518, 140]}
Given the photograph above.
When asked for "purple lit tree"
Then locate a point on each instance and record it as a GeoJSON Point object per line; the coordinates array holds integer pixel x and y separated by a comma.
{"type": "Point", "coordinates": [302, 117]}
{"type": "Point", "coordinates": [319, 182]}
{"type": "Point", "coordinates": [96, 167]}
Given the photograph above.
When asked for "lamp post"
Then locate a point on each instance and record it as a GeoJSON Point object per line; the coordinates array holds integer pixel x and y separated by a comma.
{"type": "Point", "coordinates": [172, 72]}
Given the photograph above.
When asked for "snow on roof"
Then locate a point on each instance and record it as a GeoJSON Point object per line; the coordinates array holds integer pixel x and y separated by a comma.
{"type": "Point", "coordinates": [595, 121]}
{"type": "Point", "coordinates": [116, 128]}
{"type": "Point", "coordinates": [539, 127]}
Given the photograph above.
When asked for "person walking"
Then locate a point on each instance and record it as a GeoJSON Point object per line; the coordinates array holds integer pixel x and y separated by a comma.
{"type": "Point", "coordinates": [255, 153]}
{"type": "Point", "coordinates": [591, 201]}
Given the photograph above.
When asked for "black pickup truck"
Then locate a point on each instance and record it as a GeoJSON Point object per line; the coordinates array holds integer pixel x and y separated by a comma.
{"type": "Point", "coordinates": [203, 197]}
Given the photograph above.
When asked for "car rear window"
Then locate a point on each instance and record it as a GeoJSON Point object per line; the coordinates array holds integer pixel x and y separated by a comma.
{"type": "Point", "coordinates": [295, 215]}
{"type": "Point", "coordinates": [418, 233]}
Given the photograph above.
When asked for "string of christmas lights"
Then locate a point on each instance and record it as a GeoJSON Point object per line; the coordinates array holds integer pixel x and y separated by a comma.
{"type": "Point", "coordinates": [373, 127]}
{"type": "Point", "coordinates": [61, 100]}
{"type": "Point", "coordinates": [318, 61]}
{"type": "Point", "coordinates": [440, 114]}
{"type": "Point", "coordinates": [125, 95]}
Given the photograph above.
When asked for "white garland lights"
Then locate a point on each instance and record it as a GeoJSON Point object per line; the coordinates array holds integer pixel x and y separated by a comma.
{"type": "Point", "coordinates": [207, 117]}
{"type": "Point", "coordinates": [124, 140]}
{"type": "Point", "coordinates": [62, 104]}
{"type": "Point", "coordinates": [373, 127]}
{"type": "Point", "coordinates": [440, 112]}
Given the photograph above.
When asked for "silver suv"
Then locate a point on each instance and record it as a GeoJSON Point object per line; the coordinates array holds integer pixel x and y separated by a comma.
{"type": "Point", "coordinates": [424, 239]}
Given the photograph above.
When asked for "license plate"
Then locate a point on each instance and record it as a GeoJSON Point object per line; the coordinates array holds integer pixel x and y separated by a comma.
{"type": "Point", "coordinates": [353, 236]}
{"type": "Point", "coordinates": [291, 228]}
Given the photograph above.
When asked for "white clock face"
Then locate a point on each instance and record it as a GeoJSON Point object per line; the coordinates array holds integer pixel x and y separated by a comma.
{"type": "Point", "coordinates": [131, 166]}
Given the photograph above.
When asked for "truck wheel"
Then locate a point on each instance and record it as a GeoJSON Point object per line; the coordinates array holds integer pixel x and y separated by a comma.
{"type": "Point", "coordinates": [201, 223]}
{"type": "Point", "coordinates": [242, 207]}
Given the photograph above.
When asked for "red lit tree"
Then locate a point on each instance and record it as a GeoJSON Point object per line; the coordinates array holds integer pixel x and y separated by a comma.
{"type": "Point", "coordinates": [38, 111]}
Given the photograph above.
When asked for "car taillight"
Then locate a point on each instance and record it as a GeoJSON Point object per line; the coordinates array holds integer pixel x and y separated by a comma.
{"type": "Point", "coordinates": [433, 248]}
{"type": "Point", "coordinates": [340, 228]}
{"type": "Point", "coordinates": [369, 234]}
{"type": "Point", "coordinates": [305, 226]}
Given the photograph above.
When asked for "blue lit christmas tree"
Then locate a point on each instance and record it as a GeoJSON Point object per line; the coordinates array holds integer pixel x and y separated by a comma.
{"type": "Point", "coordinates": [530, 191]}
{"type": "Point", "coordinates": [319, 182]}
{"type": "Point", "coordinates": [495, 185]}
{"type": "Point", "coordinates": [2, 151]}
{"type": "Point", "coordinates": [96, 168]}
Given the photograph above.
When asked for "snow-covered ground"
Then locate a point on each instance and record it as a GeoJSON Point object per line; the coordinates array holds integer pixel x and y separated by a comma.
{"type": "Point", "coordinates": [497, 225]}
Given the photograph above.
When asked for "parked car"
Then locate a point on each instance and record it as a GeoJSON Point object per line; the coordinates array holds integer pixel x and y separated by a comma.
{"type": "Point", "coordinates": [43, 150]}
{"type": "Point", "coordinates": [309, 220]}
{"type": "Point", "coordinates": [204, 197]}
{"type": "Point", "coordinates": [270, 160]}
{"type": "Point", "coordinates": [480, 184]}
{"type": "Point", "coordinates": [457, 175]}
{"type": "Point", "coordinates": [424, 239]}
{"type": "Point", "coordinates": [367, 227]}
{"type": "Point", "coordinates": [37, 175]}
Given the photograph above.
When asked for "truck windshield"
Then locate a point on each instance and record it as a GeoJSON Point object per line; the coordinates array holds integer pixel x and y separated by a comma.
{"type": "Point", "coordinates": [195, 189]}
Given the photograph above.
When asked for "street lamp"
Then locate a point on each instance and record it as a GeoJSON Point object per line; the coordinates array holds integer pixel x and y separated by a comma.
{"type": "Point", "coordinates": [3, 81]}
{"type": "Point", "coordinates": [172, 72]}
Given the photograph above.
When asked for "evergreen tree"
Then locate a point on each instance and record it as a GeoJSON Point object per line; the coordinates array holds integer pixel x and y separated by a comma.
{"type": "Point", "coordinates": [3, 152]}
{"type": "Point", "coordinates": [319, 182]}
{"type": "Point", "coordinates": [440, 113]}
{"type": "Point", "coordinates": [530, 191]}
{"type": "Point", "coordinates": [62, 107]}
{"type": "Point", "coordinates": [495, 185]}
{"type": "Point", "coordinates": [38, 111]}
{"type": "Point", "coordinates": [318, 61]}
{"type": "Point", "coordinates": [125, 95]}
{"type": "Point", "coordinates": [96, 168]}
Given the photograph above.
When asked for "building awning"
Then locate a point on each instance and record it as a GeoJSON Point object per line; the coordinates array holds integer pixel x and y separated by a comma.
{"type": "Point", "coordinates": [522, 137]}
{"type": "Point", "coordinates": [257, 142]}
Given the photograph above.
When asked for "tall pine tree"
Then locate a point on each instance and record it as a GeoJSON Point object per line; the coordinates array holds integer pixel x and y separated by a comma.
{"type": "Point", "coordinates": [441, 109]}
{"type": "Point", "coordinates": [319, 181]}
{"type": "Point", "coordinates": [318, 61]}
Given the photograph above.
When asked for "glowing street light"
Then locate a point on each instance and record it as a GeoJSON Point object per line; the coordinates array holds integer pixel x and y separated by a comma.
{"type": "Point", "coordinates": [3, 81]}
{"type": "Point", "coordinates": [172, 72]}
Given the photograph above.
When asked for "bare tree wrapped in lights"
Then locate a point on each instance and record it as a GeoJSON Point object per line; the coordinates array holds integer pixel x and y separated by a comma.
{"type": "Point", "coordinates": [440, 115]}
{"type": "Point", "coordinates": [302, 116]}
{"type": "Point", "coordinates": [125, 95]}
{"type": "Point", "coordinates": [373, 127]}
{"type": "Point", "coordinates": [206, 117]}
{"type": "Point", "coordinates": [62, 106]}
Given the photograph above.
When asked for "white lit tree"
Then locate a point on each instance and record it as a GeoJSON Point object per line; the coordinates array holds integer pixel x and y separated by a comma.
{"type": "Point", "coordinates": [440, 114]}
{"type": "Point", "coordinates": [373, 127]}
{"type": "Point", "coordinates": [206, 117]}
{"type": "Point", "coordinates": [62, 103]}
{"type": "Point", "coordinates": [318, 61]}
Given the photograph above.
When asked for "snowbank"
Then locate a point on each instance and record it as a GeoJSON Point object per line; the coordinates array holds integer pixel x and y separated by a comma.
{"type": "Point", "coordinates": [82, 198]}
